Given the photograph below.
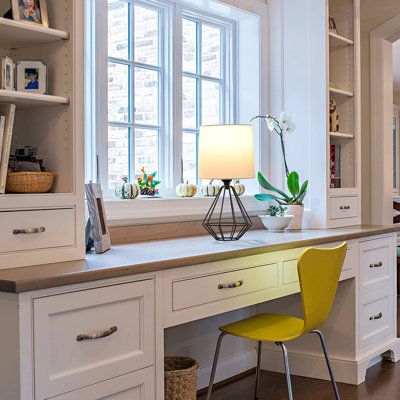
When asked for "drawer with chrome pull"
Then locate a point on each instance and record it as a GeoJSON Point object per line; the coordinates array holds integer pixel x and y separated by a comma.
{"type": "Point", "coordinates": [343, 207]}
{"type": "Point", "coordinates": [85, 337]}
{"type": "Point", "coordinates": [37, 229]}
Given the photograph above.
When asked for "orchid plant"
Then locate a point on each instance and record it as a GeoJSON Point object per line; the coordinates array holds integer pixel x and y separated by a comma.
{"type": "Point", "coordinates": [282, 126]}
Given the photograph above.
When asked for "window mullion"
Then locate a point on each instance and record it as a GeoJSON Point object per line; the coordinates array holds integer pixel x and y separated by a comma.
{"type": "Point", "coordinates": [132, 106]}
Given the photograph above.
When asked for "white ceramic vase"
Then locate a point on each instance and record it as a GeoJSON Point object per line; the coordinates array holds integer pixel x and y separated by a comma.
{"type": "Point", "coordinates": [275, 224]}
{"type": "Point", "coordinates": [296, 224]}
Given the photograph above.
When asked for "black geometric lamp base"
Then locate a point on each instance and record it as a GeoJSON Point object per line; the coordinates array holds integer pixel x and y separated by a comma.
{"type": "Point", "coordinates": [223, 227]}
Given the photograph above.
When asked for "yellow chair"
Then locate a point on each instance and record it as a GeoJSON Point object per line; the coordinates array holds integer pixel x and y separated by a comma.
{"type": "Point", "coordinates": [319, 272]}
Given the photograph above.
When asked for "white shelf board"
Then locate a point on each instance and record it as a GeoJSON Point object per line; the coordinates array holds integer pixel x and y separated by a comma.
{"type": "Point", "coordinates": [31, 100]}
{"type": "Point", "coordinates": [339, 41]}
{"type": "Point", "coordinates": [17, 34]}
{"type": "Point", "coordinates": [341, 135]}
{"type": "Point", "coordinates": [340, 92]}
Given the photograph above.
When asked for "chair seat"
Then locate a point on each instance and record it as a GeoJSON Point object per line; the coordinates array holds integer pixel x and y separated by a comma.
{"type": "Point", "coordinates": [267, 328]}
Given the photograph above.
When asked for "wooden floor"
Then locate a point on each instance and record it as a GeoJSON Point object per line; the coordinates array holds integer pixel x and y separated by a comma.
{"type": "Point", "coordinates": [383, 383]}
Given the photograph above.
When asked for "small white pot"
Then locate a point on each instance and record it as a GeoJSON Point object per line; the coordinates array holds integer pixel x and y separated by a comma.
{"type": "Point", "coordinates": [296, 224]}
{"type": "Point", "coordinates": [276, 224]}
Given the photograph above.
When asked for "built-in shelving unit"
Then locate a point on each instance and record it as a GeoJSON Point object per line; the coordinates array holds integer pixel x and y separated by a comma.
{"type": "Point", "coordinates": [31, 100]}
{"type": "Point", "coordinates": [340, 92]}
{"type": "Point", "coordinates": [339, 41]}
{"type": "Point", "coordinates": [341, 135]}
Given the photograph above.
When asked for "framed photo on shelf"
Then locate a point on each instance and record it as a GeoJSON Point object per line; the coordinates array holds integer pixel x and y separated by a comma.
{"type": "Point", "coordinates": [32, 76]}
{"type": "Point", "coordinates": [7, 74]}
{"type": "Point", "coordinates": [332, 26]}
{"type": "Point", "coordinates": [34, 11]}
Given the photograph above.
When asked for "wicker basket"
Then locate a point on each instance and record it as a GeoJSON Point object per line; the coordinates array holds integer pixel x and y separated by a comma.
{"type": "Point", "coordinates": [29, 182]}
{"type": "Point", "coordinates": [180, 379]}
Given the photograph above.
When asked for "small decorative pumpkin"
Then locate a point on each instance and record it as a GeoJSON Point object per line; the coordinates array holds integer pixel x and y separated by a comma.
{"type": "Point", "coordinates": [210, 190]}
{"type": "Point", "coordinates": [239, 187]}
{"type": "Point", "coordinates": [186, 190]}
{"type": "Point", "coordinates": [126, 190]}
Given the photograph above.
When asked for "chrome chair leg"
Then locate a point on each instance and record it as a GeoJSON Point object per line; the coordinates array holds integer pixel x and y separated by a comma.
{"type": "Point", "coordinates": [328, 362]}
{"type": "Point", "coordinates": [258, 370]}
{"type": "Point", "coordinates": [214, 367]}
{"type": "Point", "coordinates": [287, 370]}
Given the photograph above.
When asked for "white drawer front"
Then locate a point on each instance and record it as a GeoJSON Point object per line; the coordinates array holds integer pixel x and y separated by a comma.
{"type": "Point", "coordinates": [62, 363]}
{"type": "Point", "coordinates": [376, 321]}
{"type": "Point", "coordinates": [343, 207]}
{"type": "Point", "coordinates": [376, 262]}
{"type": "Point", "coordinates": [206, 289]}
{"type": "Point", "coordinates": [38, 229]}
{"type": "Point", "coordinates": [134, 386]}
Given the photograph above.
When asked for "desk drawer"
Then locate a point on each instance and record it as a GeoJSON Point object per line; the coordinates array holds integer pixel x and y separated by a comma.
{"type": "Point", "coordinates": [343, 207]}
{"type": "Point", "coordinates": [37, 229]}
{"type": "Point", "coordinates": [212, 288]}
{"type": "Point", "coordinates": [66, 359]}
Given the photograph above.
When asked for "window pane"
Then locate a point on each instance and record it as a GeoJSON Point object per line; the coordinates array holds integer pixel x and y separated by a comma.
{"type": "Point", "coordinates": [189, 103]}
{"type": "Point", "coordinates": [118, 29]}
{"type": "Point", "coordinates": [211, 51]}
{"type": "Point", "coordinates": [118, 154]}
{"type": "Point", "coordinates": [146, 35]}
{"type": "Point", "coordinates": [189, 46]}
{"type": "Point", "coordinates": [189, 156]}
{"type": "Point", "coordinates": [146, 96]}
{"type": "Point", "coordinates": [146, 150]}
{"type": "Point", "coordinates": [118, 92]}
{"type": "Point", "coordinates": [211, 109]}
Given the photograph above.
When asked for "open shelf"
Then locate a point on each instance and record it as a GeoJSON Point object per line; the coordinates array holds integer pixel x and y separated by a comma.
{"type": "Point", "coordinates": [17, 34]}
{"type": "Point", "coordinates": [341, 135]}
{"type": "Point", "coordinates": [340, 92]}
{"type": "Point", "coordinates": [339, 41]}
{"type": "Point", "coordinates": [31, 100]}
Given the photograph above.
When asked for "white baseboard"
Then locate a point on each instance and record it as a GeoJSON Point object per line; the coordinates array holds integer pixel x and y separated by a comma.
{"type": "Point", "coordinates": [227, 368]}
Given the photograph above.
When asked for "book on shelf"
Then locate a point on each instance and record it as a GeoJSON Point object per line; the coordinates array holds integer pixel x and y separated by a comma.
{"type": "Point", "coordinates": [8, 112]}
{"type": "Point", "coordinates": [335, 166]}
{"type": "Point", "coordinates": [2, 126]}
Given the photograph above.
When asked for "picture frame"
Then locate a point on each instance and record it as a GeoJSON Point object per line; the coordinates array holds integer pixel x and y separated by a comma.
{"type": "Point", "coordinates": [30, 11]}
{"type": "Point", "coordinates": [32, 76]}
{"type": "Point", "coordinates": [7, 78]}
{"type": "Point", "coordinates": [332, 26]}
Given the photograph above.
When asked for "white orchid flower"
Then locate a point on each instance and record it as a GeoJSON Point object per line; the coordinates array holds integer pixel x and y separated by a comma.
{"type": "Point", "coordinates": [285, 123]}
{"type": "Point", "coordinates": [270, 123]}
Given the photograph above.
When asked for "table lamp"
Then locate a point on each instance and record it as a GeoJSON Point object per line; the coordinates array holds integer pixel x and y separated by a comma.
{"type": "Point", "coordinates": [226, 152]}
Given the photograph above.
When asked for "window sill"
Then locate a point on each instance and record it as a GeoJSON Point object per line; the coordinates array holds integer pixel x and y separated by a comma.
{"type": "Point", "coordinates": [166, 209]}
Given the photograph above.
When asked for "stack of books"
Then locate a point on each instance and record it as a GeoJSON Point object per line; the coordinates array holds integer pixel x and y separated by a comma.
{"type": "Point", "coordinates": [335, 166]}
{"type": "Point", "coordinates": [7, 116]}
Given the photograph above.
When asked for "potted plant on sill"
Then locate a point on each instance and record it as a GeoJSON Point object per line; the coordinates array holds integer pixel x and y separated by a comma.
{"type": "Point", "coordinates": [293, 201]}
{"type": "Point", "coordinates": [275, 219]}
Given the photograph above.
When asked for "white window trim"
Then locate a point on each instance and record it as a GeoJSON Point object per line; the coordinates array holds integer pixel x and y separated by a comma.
{"type": "Point", "coordinates": [396, 114]}
{"type": "Point", "coordinates": [129, 212]}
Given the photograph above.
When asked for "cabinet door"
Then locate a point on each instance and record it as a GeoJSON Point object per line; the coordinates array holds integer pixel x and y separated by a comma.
{"type": "Point", "coordinates": [135, 386]}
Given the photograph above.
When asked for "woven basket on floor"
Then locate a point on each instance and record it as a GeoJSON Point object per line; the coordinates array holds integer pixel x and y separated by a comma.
{"type": "Point", "coordinates": [180, 378]}
{"type": "Point", "coordinates": [29, 182]}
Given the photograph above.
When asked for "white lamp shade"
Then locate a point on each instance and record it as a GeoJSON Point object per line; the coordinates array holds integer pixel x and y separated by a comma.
{"type": "Point", "coordinates": [226, 152]}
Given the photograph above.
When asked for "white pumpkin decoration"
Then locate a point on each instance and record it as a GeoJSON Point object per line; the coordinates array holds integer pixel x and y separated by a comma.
{"type": "Point", "coordinates": [210, 190]}
{"type": "Point", "coordinates": [239, 187]}
{"type": "Point", "coordinates": [186, 190]}
{"type": "Point", "coordinates": [126, 190]}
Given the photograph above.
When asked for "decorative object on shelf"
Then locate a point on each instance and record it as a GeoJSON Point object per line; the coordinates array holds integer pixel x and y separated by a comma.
{"type": "Point", "coordinates": [33, 11]}
{"type": "Point", "coordinates": [334, 126]}
{"type": "Point", "coordinates": [332, 26]}
{"type": "Point", "coordinates": [293, 201]}
{"type": "Point", "coordinates": [332, 85]}
{"type": "Point", "coordinates": [148, 184]}
{"type": "Point", "coordinates": [97, 215]}
{"type": "Point", "coordinates": [29, 182]}
{"type": "Point", "coordinates": [239, 187]}
{"type": "Point", "coordinates": [275, 219]}
{"type": "Point", "coordinates": [32, 76]}
{"type": "Point", "coordinates": [186, 189]}
{"type": "Point", "coordinates": [7, 74]}
{"type": "Point", "coordinates": [220, 148]}
{"type": "Point", "coordinates": [126, 190]}
{"type": "Point", "coordinates": [8, 111]}
{"type": "Point", "coordinates": [335, 166]}
{"type": "Point", "coordinates": [211, 189]}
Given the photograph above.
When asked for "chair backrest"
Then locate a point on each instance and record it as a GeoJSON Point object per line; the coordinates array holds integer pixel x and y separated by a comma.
{"type": "Point", "coordinates": [319, 273]}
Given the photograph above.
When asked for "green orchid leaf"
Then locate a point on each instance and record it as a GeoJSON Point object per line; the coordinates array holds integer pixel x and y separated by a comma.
{"type": "Point", "coordinates": [303, 192]}
{"type": "Point", "coordinates": [268, 197]}
{"type": "Point", "coordinates": [267, 186]}
{"type": "Point", "coordinates": [293, 183]}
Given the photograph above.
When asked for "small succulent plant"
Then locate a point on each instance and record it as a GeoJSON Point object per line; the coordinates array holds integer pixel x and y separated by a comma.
{"type": "Point", "coordinates": [276, 210]}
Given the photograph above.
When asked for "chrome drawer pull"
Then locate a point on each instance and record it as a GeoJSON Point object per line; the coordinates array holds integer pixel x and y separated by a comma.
{"type": "Point", "coordinates": [29, 231]}
{"type": "Point", "coordinates": [378, 316]}
{"type": "Point", "coordinates": [345, 207]}
{"type": "Point", "coordinates": [96, 335]}
{"type": "Point", "coordinates": [378, 265]}
{"type": "Point", "coordinates": [230, 285]}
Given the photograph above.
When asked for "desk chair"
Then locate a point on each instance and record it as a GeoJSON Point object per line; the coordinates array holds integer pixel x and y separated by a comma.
{"type": "Point", "coordinates": [319, 272]}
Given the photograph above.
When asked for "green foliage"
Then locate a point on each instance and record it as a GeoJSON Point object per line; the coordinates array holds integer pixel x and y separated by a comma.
{"type": "Point", "coordinates": [147, 181]}
{"type": "Point", "coordinates": [297, 192]}
{"type": "Point", "coordinates": [276, 211]}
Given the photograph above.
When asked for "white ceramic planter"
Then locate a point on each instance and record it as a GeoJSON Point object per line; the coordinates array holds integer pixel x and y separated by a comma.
{"type": "Point", "coordinates": [296, 224]}
{"type": "Point", "coordinates": [276, 224]}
